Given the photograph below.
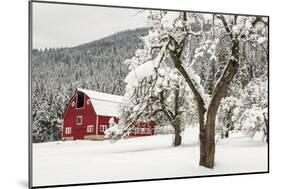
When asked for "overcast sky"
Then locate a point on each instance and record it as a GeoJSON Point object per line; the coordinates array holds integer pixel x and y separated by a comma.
{"type": "Point", "coordinates": [56, 25]}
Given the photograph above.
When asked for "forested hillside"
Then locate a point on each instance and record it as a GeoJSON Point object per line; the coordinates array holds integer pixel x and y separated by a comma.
{"type": "Point", "coordinates": [56, 73]}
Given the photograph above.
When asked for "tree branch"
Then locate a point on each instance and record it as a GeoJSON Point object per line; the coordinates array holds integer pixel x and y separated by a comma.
{"type": "Point", "coordinates": [257, 20]}
{"type": "Point", "coordinates": [226, 26]}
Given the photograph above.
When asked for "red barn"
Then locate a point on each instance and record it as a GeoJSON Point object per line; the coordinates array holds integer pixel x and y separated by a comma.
{"type": "Point", "coordinates": [88, 113]}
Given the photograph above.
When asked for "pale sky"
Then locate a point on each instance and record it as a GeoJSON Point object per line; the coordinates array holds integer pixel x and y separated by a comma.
{"type": "Point", "coordinates": [57, 25]}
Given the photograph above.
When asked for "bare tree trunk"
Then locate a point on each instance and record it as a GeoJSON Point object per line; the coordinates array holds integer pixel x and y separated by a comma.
{"type": "Point", "coordinates": [200, 106]}
{"type": "Point", "coordinates": [228, 123]}
{"type": "Point", "coordinates": [178, 138]}
{"type": "Point", "coordinates": [174, 118]}
{"type": "Point", "coordinates": [265, 130]}
{"type": "Point", "coordinates": [207, 158]}
{"type": "Point", "coordinates": [177, 119]}
{"type": "Point", "coordinates": [207, 127]}
{"type": "Point", "coordinates": [207, 130]}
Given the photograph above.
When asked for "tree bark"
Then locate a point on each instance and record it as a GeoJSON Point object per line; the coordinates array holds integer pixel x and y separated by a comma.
{"type": "Point", "coordinates": [178, 138]}
{"type": "Point", "coordinates": [174, 118]}
{"type": "Point", "coordinates": [177, 120]}
{"type": "Point", "coordinates": [207, 127]}
{"type": "Point", "coordinates": [208, 145]}
{"type": "Point", "coordinates": [200, 106]}
{"type": "Point", "coordinates": [207, 130]}
{"type": "Point", "coordinates": [265, 130]}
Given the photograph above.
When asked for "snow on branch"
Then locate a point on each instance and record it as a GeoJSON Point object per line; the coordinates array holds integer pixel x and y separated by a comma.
{"type": "Point", "coordinates": [170, 20]}
{"type": "Point", "coordinates": [226, 26]}
{"type": "Point", "coordinates": [144, 70]}
{"type": "Point", "coordinates": [197, 84]}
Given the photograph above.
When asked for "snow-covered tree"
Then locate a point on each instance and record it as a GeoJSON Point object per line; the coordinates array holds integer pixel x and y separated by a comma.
{"type": "Point", "coordinates": [113, 131]}
{"type": "Point", "coordinates": [47, 119]}
{"type": "Point", "coordinates": [255, 106]}
{"type": "Point", "coordinates": [228, 115]}
{"type": "Point", "coordinates": [169, 37]}
{"type": "Point", "coordinates": [153, 91]}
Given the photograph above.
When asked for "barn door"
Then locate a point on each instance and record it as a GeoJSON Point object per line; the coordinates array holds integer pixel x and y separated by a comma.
{"type": "Point", "coordinates": [78, 133]}
{"type": "Point", "coordinates": [79, 127]}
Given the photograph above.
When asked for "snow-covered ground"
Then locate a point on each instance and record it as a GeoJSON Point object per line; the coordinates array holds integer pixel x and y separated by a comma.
{"type": "Point", "coordinates": [72, 162]}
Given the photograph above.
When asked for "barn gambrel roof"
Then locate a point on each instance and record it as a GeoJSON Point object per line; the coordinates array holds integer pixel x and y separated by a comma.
{"type": "Point", "coordinates": [103, 103]}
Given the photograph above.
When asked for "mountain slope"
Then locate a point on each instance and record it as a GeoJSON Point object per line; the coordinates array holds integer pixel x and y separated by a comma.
{"type": "Point", "coordinates": [56, 73]}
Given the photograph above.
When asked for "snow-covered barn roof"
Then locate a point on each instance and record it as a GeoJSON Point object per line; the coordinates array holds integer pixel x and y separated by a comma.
{"type": "Point", "coordinates": [103, 103]}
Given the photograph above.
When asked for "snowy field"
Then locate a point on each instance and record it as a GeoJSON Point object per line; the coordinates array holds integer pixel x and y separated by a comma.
{"type": "Point", "coordinates": [74, 162]}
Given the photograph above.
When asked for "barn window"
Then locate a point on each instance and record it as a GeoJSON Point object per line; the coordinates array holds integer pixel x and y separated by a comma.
{"type": "Point", "coordinates": [137, 130]}
{"type": "Point", "coordinates": [90, 128]}
{"type": "Point", "coordinates": [143, 131]}
{"type": "Point", "coordinates": [73, 104]}
{"type": "Point", "coordinates": [80, 100]}
{"type": "Point", "coordinates": [103, 128]}
{"type": "Point", "coordinates": [79, 120]}
{"type": "Point", "coordinates": [68, 130]}
{"type": "Point", "coordinates": [148, 131]}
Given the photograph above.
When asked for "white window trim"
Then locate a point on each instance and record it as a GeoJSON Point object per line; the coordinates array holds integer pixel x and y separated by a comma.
{"type": "Point", "coordinates": [68, 130]}
{"type": "Point", "coordinates": [97, 125]}
{"type": "Point", "coordinates": [148, 131]}
{"type": "Point", "coordinates": [103, 128]}
{"type": "Point", "coordinates": [137, 131]}
{"type": "Point", "coordinates": [142, 131]}
{"type": "Point", "coordinates": [77, 120]}
{"type": "Point", "coordinates": [90, 128]}
{"type": "Point", "coordinates": [84, 101]}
